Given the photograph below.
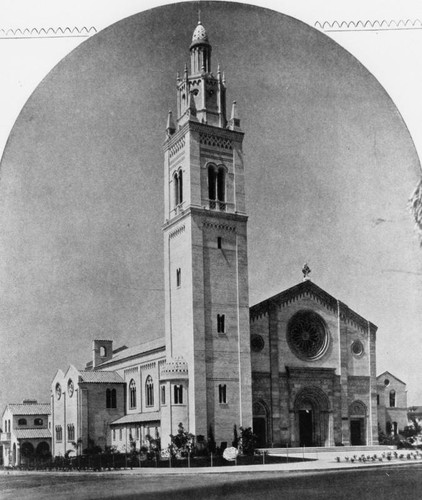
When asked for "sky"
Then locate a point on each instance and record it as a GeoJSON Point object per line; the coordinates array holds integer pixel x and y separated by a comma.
{"type": "Point", "coordinates": [330, 166]}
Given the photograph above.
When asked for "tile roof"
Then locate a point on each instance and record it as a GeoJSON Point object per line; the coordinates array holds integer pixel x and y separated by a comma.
{"type": "Point", "coordinates": [32, 433]}
{"type": "Point", "coordinates": [132, 418]}
{"type": "Point", "coordinates": [101, 377]}
{"type": "Point", "coordinates": [139, 350]}
{"type": "Point", "coordinates": [30, 409]}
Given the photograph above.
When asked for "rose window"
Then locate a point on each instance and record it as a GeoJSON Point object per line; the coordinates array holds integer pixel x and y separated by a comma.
{"type": "Point", "coordinates": [307, 335]}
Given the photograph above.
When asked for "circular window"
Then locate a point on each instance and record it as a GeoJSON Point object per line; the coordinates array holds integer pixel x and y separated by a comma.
{"type": "Point", "coordinates": [70, 388]}
{"type": "Point", "coordinates": [357, 348]}
{"type": "Point", "coordinates": [386, 382]}
{"type": "Point", "coordinates": [58, 391]}
{"type": "Point", "coordinates": [257, 343]}
{"type": "Point", "coordinates": [307, 335]}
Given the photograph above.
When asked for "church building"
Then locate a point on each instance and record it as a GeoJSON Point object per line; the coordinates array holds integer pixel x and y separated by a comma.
{"type": "Point", "coordinates": [299, 367]}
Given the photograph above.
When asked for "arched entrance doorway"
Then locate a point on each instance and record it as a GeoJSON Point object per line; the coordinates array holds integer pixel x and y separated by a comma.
{"type": "Point", "coordinates": [43, 450]}
{"type": "Point", "coordinates": [260, 423]}
{"type": "Point", "coordinates": [27, 452]}
{"type": "Point", "coordinates": [311, 411]}
{"type": "Point", "coordinates": [357, 416]}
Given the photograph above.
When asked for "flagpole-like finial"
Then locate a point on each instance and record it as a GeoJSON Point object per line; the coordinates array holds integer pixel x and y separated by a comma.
{"type": "Point", "coordinates": [199, 14]}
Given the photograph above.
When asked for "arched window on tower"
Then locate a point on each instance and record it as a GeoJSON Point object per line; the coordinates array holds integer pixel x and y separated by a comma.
{"type": "Point", "coordinates": [217, 187]}
{"type": "Point", "coordinates": [103, 352]}
{"type": "Point", "coordinates": [149, 391]}
{"type": "Point", "coordinates": [221, 188]}
{"type": "Point", "coordinates": [132, 394]}
{"type": "Point", "coordinates": [392, 398]}
{"type": "Point", "coordinates": [178, 188]}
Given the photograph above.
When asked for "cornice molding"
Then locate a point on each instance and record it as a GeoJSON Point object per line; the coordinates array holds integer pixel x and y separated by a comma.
{"type": "Point", "coordinates": [310, 289]}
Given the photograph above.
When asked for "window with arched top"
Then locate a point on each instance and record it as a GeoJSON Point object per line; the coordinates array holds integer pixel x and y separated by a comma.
{"type": "Point", "coordinates": [149, 391]}
{"type": "Point", "coordinates": [178, 187]}
{"type": "Point", "coordinates": [178, 394]}
{"type": "Point", "coordinates": [217, 187]}
{"type": "Point", "coordinates": [38, 421]}
{"type": "Point", "coordinates": [132, 394]}
{"type": "Point", "coordinates": [392, 398]}
{"type": "Point", "coordinates": [22, 421]}
{"type": "Point", "coordinates": [103, 351]}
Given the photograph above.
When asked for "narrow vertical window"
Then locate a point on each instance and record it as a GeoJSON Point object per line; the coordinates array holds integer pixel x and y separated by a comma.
{"type": "Point", "coordinates": [113, 399]}
{"type": "Point", "coordinates": [70, 432]}
{"type": "Point", "coordinates": [221, 188]}
{"type": "Point", "coordinates": [212, 187]}
{"type": "Point", "coordinates": [108, 398]}
{"type": "Point", "coordinates": [378, 399]}
{"type": "Point", "coordinates": [114, 434]}
{"type": "Point", "coordinates": [392, 398]}
{"type": "Point", "coordinates": [178, 277]}
{"type": "Point", "coordinates": [176, 189]}
{"type": "Point", "coordinates": [120, 433]}
{"type": "Point", "coordinates": [132, 394]}
{"type": "Point", "coordinates": [222, 393]}
{"type": "Point", "coordinates": [178, 394]}
{"type": "Point", "coordinates": [149, 391]}
{"type": "Point", "coordinates": [219, 242]}
{"type": "Point", "coordinates": [221, 327]}
{"type": "Point", "coordinates": [395, 428]}
{"type": "Point", "coordinates": [180, 187]}
{"type": "Point", "coordinates": [163, 394]}
{"type": "Point", "coordinates": [59, 433]}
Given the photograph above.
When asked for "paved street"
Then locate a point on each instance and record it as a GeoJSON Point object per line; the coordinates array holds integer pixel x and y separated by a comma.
{"type": "Point", "coordinates": [388, 482]}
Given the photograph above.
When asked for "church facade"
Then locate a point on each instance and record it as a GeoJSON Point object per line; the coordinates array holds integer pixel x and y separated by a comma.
{"type": "Point", "coordinates": [299, 367]}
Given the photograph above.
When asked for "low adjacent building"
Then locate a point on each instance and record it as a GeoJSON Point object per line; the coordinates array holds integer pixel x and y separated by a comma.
{"type": "Point", "coordinates": [83, 404]}
{"type": "Point", "coordinates": [391, 404]}
{"type": "Point", "coordinates": [26, 435]}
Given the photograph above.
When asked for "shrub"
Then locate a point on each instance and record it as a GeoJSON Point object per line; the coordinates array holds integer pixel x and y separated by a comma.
{"type": "Point", "coordinates": [247, 441]}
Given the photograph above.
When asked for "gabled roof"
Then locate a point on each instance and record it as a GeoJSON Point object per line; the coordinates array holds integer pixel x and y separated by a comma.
{"type": "Point", "coordinates": [144, 349]}
{"type": "Point", "coordinates": [389, 374]}
{"type": "Point", "coordinates": [29, 409]}
{"type": "Point", "coordinates": [132, 418]}
{"type": "Point", "coordinates": [100, 377]}
{"type": "Point", "coordinates": [308, 287]}
{"type": "Point", "coordinates": [32, 433]}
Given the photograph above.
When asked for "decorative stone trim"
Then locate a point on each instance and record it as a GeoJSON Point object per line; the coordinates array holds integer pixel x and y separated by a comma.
{"type": "Point", "coordinates": [220, 227]}
{"type": "Point", "coordinates": [177, 146]}
{"type": "Point", "coordinates": [177, 232]}
{"type": "Point", "coordinates": [309, 289]}
{"type": "Point", "coordinates": [215, 141]}
{"type": "Point", "coordinates": [148, 366]}
{"type": "Point", "coordinates": [131, 371]}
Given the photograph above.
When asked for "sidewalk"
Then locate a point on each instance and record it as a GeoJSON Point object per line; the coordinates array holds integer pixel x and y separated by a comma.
{"type": "Point", "coordinates": [315, 461]}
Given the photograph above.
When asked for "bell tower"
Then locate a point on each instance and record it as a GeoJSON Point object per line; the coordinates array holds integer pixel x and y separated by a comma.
{"type": "Point", "coordinates": [205, 257]}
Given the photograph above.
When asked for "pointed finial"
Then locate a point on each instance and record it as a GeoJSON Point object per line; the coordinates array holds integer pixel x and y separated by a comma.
{"type": "Point", "coordinates": [224, 78]}
{"type": "Point", "coordinates": [199, 14]}
{"type": "Point", "coordinates": [306, 272]}
{"type": "Point", "coordinates": [218, 69]}
{"type": "Point", "coordinates": [171, 128]}
{"type": "Point", "coordinates": [178, 76]}
{"type": "Point", "coordinates": [234, 111]}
